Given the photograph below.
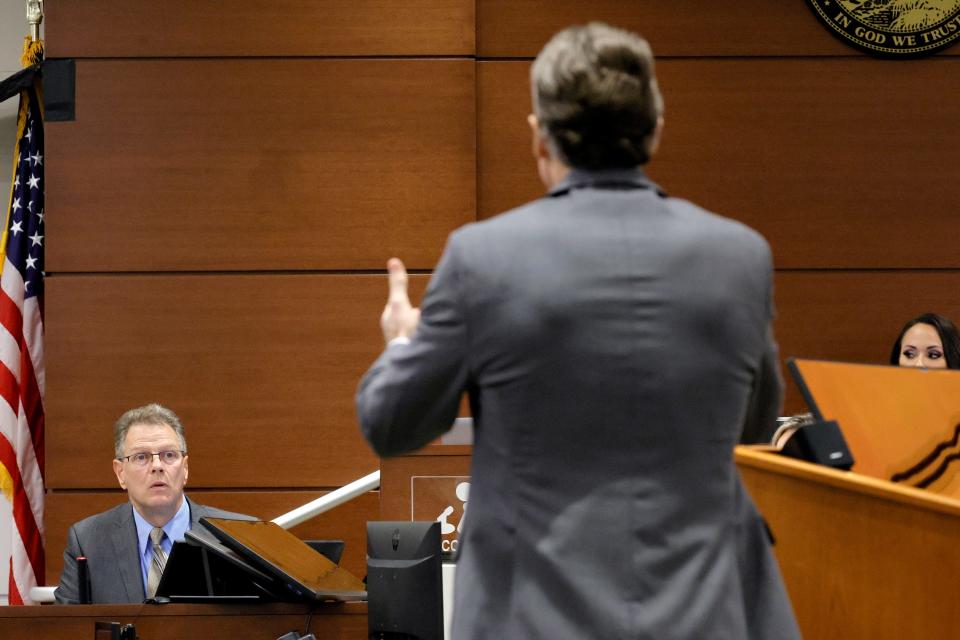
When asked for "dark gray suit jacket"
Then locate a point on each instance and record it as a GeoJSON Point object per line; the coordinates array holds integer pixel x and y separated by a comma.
{"type": "Point", "coordinates": [109, 542]}
{"type": "Point", "coordinates": [616, 345]}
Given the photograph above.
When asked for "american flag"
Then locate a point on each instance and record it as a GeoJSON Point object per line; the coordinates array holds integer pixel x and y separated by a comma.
{"type": "Point", "coordinates": [21, 352]}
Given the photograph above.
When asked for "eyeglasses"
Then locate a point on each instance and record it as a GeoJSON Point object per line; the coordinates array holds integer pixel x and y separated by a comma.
{"type": "Point", "coordinates": [144, 458]}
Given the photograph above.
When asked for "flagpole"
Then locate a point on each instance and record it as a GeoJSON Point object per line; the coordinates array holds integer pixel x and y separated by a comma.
{"type": "Point", "coordinates": [21, 270]}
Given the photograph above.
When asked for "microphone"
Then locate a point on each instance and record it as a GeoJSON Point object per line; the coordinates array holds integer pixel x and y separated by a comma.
{"type": "Point", "coordinates": [83, 575]}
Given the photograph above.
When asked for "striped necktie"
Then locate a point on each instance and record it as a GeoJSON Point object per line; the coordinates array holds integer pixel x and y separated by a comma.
{"type": "Point", "coordinates": [159, 560]}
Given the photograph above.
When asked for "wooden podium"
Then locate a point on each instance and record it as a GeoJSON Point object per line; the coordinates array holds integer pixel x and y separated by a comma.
{"type": "Point", "coordinates": [862, 558]}
{"type": "Point", "coordinates": [901, 423]}
{"type": "Point", "coordinates": [339, 621]}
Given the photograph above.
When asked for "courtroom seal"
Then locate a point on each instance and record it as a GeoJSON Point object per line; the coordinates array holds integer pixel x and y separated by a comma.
{"type": "Point", "coordinates": [892, 28]}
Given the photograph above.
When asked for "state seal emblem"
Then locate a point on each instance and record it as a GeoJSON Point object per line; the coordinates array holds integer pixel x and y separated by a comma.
{"type": "Point", "coordinates": [892, 28]}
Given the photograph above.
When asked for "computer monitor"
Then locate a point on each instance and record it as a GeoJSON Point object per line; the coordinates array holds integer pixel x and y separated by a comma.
{"type": "Point", "coordinates": [404, 588]}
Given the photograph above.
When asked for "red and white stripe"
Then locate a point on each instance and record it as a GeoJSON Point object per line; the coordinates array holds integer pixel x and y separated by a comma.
{"type": "Point", "coordinates": [21, 429]}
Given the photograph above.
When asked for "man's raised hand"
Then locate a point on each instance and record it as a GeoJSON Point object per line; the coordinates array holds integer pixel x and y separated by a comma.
{"type": "Point", "coordinates": [400, 318]}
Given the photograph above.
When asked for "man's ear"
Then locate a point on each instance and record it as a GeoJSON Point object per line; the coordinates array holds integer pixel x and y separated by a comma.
{"type": "Point", "coordinates": [541, 154]}
{"type": "Point", "coordinates": [118, 469]}
{"type": "Point", "coordinates": [655, 137]}
{"type": "Point", "coordinates": [538, 144]}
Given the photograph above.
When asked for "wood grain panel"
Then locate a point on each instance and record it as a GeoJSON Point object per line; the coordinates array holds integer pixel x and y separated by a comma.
{"type": "Point", "coordinates": [145, 28]}
{"type": "Point", "coordinates": [261, 164]}
{"type": "Point", "coordinates": [329, 620]}
{"type": "Point", "coordinates": [839, 162]}
{"type": "Point", "coordinates": [512, 28]}
{"type": "Point", "coordinates": [854, 316]}
{"type": "Point", "coordinates": [395, 473]}
{"type": "Point", "coordinates": [262, 370]}
{"type": "Point", "coordinates": [894, 419]}
{"type": "Point", "coordinates": [346, 522]}
{"type": "Point", "coordinates": [506, 169]}
{"type": "Point", "coordinates": [861, 559]}
{"type": "Point", "coordinates": [113, 343]}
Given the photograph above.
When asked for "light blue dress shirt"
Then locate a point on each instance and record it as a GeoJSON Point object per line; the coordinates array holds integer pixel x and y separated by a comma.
{"type": "Point", "coordinates": [174, 529]}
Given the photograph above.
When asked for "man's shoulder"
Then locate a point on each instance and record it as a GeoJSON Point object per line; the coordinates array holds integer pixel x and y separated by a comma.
{"type": "Point", "coordinates": [711, 218]}
{"type": "Point", "coordinates": [538, 212]}
{"type": "Point", "coordinates": [123, 511]}
{"type": "Point", "coordinates": [105, 518]}
{"type": "Point", "coordinates": [505, 224]}
{"type": "Point", "coordinates": [718, 229]}
{"type": "Point", "coordinates": [203, 511]}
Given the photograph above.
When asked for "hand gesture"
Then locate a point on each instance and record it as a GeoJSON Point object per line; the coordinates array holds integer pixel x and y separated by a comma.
{"type": "Point", "coordinates": [399, 317]}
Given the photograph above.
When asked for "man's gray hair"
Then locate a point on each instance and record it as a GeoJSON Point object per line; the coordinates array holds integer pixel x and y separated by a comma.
{"type": "Point", "coordinates": [152, 414]}
{"type": "Point", "coordinates": [595, 95]}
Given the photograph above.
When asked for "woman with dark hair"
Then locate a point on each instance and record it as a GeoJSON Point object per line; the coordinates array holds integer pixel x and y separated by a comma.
{"type": "Point", "coordinates": [930, 341]}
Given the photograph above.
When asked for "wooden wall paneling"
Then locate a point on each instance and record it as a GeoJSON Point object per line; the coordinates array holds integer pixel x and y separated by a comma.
{"type": "Point", "coordinates": [506, 170]}
{"type": "Point", "coordinates": [512, 28]}
{"type": "Point", "coordinates": [144, 28]}
{"type": "Point", "coordinates": [346, 522]}
{"type": "Point", "coordinates": [828, 158]}
{"type": "Point", "coordinates": [262, 370]}
{"type": "Point", "coordinates": [853, 316]}
{"type": "Point", "coordinates": [261, 164]}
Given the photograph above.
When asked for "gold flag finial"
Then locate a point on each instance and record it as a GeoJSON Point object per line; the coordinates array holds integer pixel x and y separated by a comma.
{"type": "Point", "coordinates": [34, 17]}
{"type": "Point", "coordinates": [32, 45]}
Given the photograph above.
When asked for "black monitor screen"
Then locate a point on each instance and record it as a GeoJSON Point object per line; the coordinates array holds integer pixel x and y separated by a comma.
{"type": "Point", "coordinates": [404, 590]}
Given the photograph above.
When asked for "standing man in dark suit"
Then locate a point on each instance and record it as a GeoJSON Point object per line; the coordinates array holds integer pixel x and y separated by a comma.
{"type": "Point", "coordinates": [121, 545]}
{"type": "Point", "coordinates": [615, 344]}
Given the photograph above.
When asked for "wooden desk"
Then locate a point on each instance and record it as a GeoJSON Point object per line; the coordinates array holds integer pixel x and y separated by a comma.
{"type": "Point", "coordinates": [863, 559]}
{"type": "Point", "coordinates": [333, 621]}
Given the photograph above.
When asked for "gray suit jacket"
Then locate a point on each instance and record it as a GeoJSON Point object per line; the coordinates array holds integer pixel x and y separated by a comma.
{"type": "Point", "coordinates": [615, 344]}
{"type": "Point", "coordinates": [109, 542]}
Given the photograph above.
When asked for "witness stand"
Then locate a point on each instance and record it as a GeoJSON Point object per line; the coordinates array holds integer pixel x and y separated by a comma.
{"type": "Point", "coordinates": [330, 620]}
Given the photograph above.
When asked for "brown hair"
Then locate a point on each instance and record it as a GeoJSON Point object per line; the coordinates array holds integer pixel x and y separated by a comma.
{"type": "Point", "coordinates": [596, 97]}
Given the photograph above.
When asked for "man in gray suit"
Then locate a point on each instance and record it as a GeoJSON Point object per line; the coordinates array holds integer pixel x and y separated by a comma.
{"type": "Point", "coordinates": [615, 344]}
{"type": "Point", "coordinates": [126, 547]}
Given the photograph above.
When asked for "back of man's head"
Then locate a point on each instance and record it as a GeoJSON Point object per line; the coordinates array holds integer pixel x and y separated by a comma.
{"type": "Point", "coordinates": [596, 98]}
